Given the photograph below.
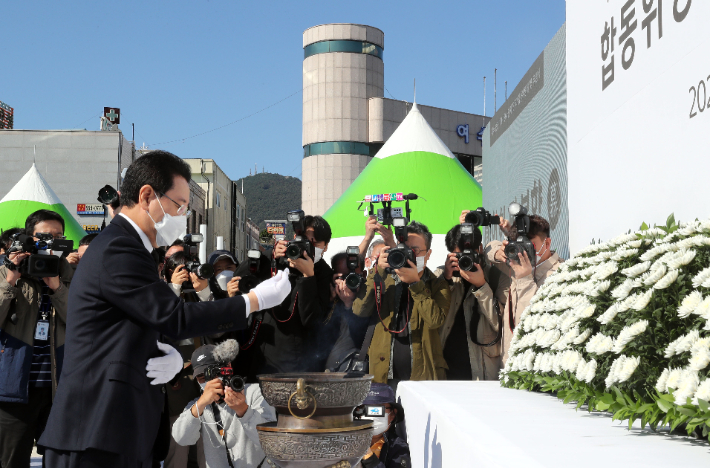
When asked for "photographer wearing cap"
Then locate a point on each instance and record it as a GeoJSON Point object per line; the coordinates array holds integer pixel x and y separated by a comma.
{"type": "Point", "coordinates": [33, 315]}
{"type": "Point", "coordinates": [108, 412]}
{"type": "Point", "coordinates": [470, 336]}
{"type": "Point", "coordinates": [371, 248]}
{"type": "Point", "coordinates": [224, 416]}
{"type": "Point", "coordinates": [526, 274]}
{"type": "Point", "coordinates": [409, 306]}
{"type": "Point", "coordinates": [387, 449]}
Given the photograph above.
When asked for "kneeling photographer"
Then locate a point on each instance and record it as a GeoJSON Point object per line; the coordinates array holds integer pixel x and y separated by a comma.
{"type": "Point", "coordinates": [471, 334]}
{"type": "Point", "coordinates": [409, 307]}
{"type": "Point", "coordinates": [34, 290]}
{"type": "Point", "coordinates": [227, 412]}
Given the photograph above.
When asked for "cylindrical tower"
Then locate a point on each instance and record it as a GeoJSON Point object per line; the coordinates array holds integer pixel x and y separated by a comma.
{"type": "Point", "coordinates": [342, 69]}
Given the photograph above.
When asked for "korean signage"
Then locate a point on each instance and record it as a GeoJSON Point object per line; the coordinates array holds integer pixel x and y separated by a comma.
{"type": "Point", "coordinates": [276, 227]}
{"type": "Point", "coordinates": [86, 209]}
{"type": "Point", "coordinates": [7, 121]}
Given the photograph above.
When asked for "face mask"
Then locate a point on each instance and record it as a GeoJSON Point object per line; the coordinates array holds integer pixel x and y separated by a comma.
{"type": "Point", "coordinates": [379, 425]}
{"type": "Point", "coordinates": [202, 386]}
{"type": "Point", "coordinates": [170, 228]}
{"type": "Point", "coordinates": [420, 264]}
{"type": "Point", "coordinates": [223, 278]}
{"type": "Point", "coordinates": [318, 255]}
{"type": "Point", "coordinates": [538, 255]}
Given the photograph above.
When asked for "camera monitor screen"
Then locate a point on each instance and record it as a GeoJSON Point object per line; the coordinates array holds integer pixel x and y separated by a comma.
{"type": "Point", "coordinates": [374, 411]}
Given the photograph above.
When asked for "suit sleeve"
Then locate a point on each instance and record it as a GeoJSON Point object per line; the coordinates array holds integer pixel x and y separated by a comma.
{"type": "Point", "coordinates": [129, 281]}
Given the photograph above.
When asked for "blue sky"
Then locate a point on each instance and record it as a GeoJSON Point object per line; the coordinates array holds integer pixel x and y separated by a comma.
{"type": "Point", "coordinates": [180, 68]}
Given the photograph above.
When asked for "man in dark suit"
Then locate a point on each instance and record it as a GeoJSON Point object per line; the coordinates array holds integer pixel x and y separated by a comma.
{"type": "Point", "coordinates": [106, 412]}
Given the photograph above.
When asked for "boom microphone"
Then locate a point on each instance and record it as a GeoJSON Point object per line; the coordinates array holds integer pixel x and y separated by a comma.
{"type": "Point", "coordinates": [226, 351]}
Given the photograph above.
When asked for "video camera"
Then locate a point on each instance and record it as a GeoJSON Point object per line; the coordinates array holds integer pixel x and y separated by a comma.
{"type": "Point", "coordinates": [41, 263]}
{"type": "Point", "coordinates": [467, 257]}
{"type": "Point", "coordinates": [251, 280]}
{"type": "Point", "coordinates": [481, 217]}
{"type": "Point", "coordinates": [397, 257]}
{"type": "Point", "coordinates": [300, 244]}
{"type": "Point", "coordinates": [353, 281]}
{"type": "Point", "coordinates": [519, 242]}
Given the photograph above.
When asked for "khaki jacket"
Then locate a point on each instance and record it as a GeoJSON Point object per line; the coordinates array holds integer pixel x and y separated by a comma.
{"type": "Point", "coordinates": [432, 299]}
{"type": "Point", "coordinates": [486, 361]}
{"type": "Point", "coordinates": [519, 290]}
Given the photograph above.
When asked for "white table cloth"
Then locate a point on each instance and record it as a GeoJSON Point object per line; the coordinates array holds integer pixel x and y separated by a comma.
{"type": "Point", "coordinates": [481, 424]}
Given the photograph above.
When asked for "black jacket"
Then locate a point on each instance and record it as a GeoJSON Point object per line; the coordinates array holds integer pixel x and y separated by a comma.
{"type": "Point", "coordinates": [118, 308]}
{"type": "Point", "coordinates": [394, 454]}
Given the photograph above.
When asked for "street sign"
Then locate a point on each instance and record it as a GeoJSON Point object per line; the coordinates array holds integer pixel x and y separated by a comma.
{"type": "Point", "coordinates": [89, 209]}
{"type": "Point", "coordinates": [113, 115]}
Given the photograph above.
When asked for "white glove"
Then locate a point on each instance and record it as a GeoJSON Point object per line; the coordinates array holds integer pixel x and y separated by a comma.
{"type": "Point", "coordinates": [162, 369]}
{"type": "Point", "coordinates": [273, 291]}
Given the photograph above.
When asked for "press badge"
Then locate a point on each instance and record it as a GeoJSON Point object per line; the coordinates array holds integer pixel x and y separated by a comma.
{"type": "Point", "coordinates": [42, 330]}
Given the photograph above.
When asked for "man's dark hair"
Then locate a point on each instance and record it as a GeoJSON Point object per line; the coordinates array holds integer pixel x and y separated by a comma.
{"type": "Point", "coordinates": [41, 216]}
{"type": "Point", "coordinates": [453, 238]}
{"type": "Point", "coordinates": [415, 227]}
{"type": "Point", "coordinates": [6, 237]}
{"type": "Point", "coordinates": [172, 262]}
{"type": "Point", "coordinates": [157, 169]}
{"type": "Point", "coordinates": [178, 243]}
{"type": "Point", "coordinates": [538, 226]}
{"type": "Point", "coordinates": [321, 228]}
{"type": "Point", "coordinates": [86, 240]}
{"type": "Point", "coordinates": [343, 257]}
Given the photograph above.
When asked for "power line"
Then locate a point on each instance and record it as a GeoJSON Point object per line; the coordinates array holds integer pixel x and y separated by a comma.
{"type": "Point", "coordinates": [230, 123]}
{"type": "Point", "coordinates": [92, 117]}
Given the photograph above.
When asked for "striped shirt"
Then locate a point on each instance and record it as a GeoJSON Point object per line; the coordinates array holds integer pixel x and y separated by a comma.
{"type": "Point", "coordinates": [41, 370]}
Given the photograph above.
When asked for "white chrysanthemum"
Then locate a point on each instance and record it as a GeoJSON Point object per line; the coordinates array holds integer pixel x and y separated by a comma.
{"type": "Point", "coordinates": [549, 337]}
{"type": "Point", "coordinates": [651, 277]}
{"type": "Point", "coordinates": [689, 304]}
{"type": "Point", "coordinates": [661, 382]}
{"type": "Point", "coordinates": [687, 342]}
{"type": "Point", "coordinates": [674, 378]}
{"type": "Point", "coordinates": [623, 239]}
{"type": "Point", "coordinates": [701, 277]}
{"type": "Point", "coordinates": [605, 270]}
{"type": "Point", "coordinates": [700, 354]}
{"type": "Point", "coordinates": [635, 243]}
{"type": "Point", "coordinates": [636, 270]}
{"type": "Point", "coordinates": [627, 303]}
{"type": "Point", "coordinates": [667, 280]}
{"type": "Point", "coordinates": [609, 315]}
{"type": "Point", "coordinates": [703, 309]}
{"type": "Point", "coordinates": [599, 288]}
{"type": "Point", "coordinates": [624, 253]}
{"type": "Point", "coordinates": [629, 333]}
{"type": "Point", "coordinates": [528, 360]}
{"type": "Point", "coordinates": [703, 391]}
{"type": "Point", "coordinates": [591, 371]}
{"type": "Point", "coordinates": [653, 253]}
{"type": "Point", "coordinates": [628, 368]}
{"type": "Point", "coordinates": [642, 300]}
{"type": "Point", "coordinates": [581, 370]}
{"type": "Point", "coordinates": [599, 344]}
{"type": "Point", "coordinates": [583, 337]}
{"type": "Point", "coordinates": [682, 260]}
{"type": "Point", "coordinates": [624, 289]}
{"type": "Point", "coordinates": [556, 364]}
{"type": "Point", "coordinates": [613, 375]}
{"type": "Point", "coordinates": [588, 311]}
{"type": "Point", "coordinates": [686, 389]}
{"type": "Point", "coordinates": [538, 360]}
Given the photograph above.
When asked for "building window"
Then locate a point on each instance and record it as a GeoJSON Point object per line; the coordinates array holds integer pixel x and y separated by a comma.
{"type": "Point", "coordinates": [354, 47]}
{"type": "Point", "coordinates": [341, 147]}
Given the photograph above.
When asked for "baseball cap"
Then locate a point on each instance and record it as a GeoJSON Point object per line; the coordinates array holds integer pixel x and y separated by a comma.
{"type": "Point", "coordinates": [218, 255]}
{"type": "Point", "coordinates": [202, 358]}
{"type": "Point", "coordinates": [381, 394]}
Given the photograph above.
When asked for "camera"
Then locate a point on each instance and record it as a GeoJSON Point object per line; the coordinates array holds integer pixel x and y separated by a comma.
{"type": "Point", "coordinates": [225, 373]}
{"type": "Point", "coordinates": [41, 263]}
{"type": "Point", "coordinates": [300, 244]}
{"type": "Point", "coordinates": [353, 281]}
{"type": "Point", "coordinates": [202, 270]}
{"type": "Point", "coordinates": [397, 257]}
{"type": "Point", "coordinates": [251, 280]}
{"type": "Point", "coordinates": [518, 242]}
{"type": "Point", "coordinates": [467, 257]}
{"type": "Point", "coordinates": [109, 196]}
{"type": "Point", "coordinates": [191, 242]}
{"type": "Point", "coordinates": [481, 217]}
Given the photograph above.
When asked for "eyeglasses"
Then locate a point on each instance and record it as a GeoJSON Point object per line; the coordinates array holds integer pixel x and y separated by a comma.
{"type": "Point", "coordinates": [182, 209]}
{"type": "Point", "coordinates": [417, 250]}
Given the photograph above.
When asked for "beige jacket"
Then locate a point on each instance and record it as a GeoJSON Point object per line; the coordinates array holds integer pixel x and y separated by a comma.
{"type": "Point", "coordinates": [519, 290]}
{"type": "Point", "coordinates": [486, 361]}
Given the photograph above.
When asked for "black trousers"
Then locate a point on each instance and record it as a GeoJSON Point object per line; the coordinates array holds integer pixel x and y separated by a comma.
{"type": "Point", "coordinates": [20, 425]}
{"type": "Point", "coordinates": [91, 459]}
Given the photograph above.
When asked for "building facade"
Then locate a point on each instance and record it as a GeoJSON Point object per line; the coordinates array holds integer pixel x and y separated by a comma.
{"type": "Point", "coordinates": [346, 118]}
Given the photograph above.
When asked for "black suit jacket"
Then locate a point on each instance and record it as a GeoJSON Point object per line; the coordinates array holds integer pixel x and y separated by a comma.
{"type": "Point", "coordinates": [118, 308]}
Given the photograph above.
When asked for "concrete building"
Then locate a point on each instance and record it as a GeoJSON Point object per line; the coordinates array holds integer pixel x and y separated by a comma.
{"type": "Point", "coordinates": [346, 118]}
{"type": "Point", "coordinates": [253, 235]}
{"type": "Point", "coordinates": [225, 207]}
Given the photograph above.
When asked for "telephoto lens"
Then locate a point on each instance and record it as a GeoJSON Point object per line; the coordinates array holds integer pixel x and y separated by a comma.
{"type": "Point", "coordinates": [202, 270]}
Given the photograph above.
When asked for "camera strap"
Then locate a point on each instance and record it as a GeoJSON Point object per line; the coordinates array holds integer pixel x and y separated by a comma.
{"type": "Point", "coordinates": [474, 335]}
{"type": "Point", "coordinates": [511, 317]}
{"type": "Point", "coordinates": [254, 332]}
{"type": "Point", "coordinates": [222, 432]}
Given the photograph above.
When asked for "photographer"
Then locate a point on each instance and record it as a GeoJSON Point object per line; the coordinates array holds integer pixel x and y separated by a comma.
{"type": "Point", "coordinates": [225, 419]}
{"type": "Point", "coordinates": [33, 314]}
{"type": "Point", "coordinates": [6, 241]}
{"type": "Point", "coordinates": [373, 226]}
{"type": "Point", "coordinates": [470, 335]}
{"type": "Point", "coordinates": [526, 274]}
{"type": "Point", "coordinates": [411, 306]}
{"type": "Point", "coordinates": [177, 276]}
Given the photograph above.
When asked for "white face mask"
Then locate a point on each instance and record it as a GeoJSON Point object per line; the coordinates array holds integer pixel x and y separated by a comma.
{"type": "Point", "coordinates": [223, 278]}
{"type": "Point", "coordinates": [318, 255]}
{"type": "Point", "coordinates": [538, 255]}
{"type": "Point", "coordinates": [170, 228]}
{"type": "Point", "coordinates": [380, 425]}
{"type": "Point", "coordinates": [202, 386]}
{"type": "Point", "coordinates": [421, 261]}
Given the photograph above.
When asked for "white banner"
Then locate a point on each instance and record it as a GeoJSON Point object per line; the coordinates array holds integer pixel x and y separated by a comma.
{"type": "Point", "coordinates": [638, 90]}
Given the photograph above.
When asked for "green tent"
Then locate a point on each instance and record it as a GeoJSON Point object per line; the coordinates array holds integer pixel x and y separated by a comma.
{"type": "Point", "coordinates": [33, 193]}
{"type": "Point", "coordinates": [413, 160]}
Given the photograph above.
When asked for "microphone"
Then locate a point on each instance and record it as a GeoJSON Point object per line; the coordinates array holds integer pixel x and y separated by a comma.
{"type": "Point", "coordinates": [226, 351]}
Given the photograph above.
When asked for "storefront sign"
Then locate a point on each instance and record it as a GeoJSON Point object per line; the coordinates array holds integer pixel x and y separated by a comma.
{"type": "Point", "coordinates": [86, 209]}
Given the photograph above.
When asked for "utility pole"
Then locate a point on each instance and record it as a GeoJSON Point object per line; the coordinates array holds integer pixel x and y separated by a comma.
{"type": "Point", "coordinates": [495, 90]}
{"type": "Point", "coordinates": [506, 90]}
{"type": "Point", "coordinates": [484, 95]}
